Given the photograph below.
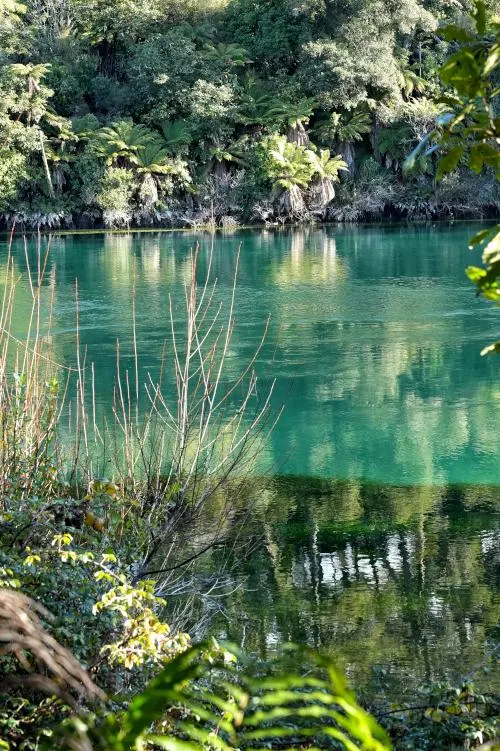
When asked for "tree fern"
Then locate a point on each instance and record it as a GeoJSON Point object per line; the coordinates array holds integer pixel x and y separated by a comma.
{"type": "Point", "coordinates": [229, 54]}
{"type": "Point", "coordinates": [394, 140]}
{"type": "Point", "coordinates": [298, 112]}
{"type": "Point", "coordinates": [258, 105]}
{"type": "Point", "coordinates": [344, 128]}
{"type": "Point", "coordinates": [122, 139]}
{"type": "Point", "coordinates": [10, 13]}
{"type": "Point", "coordinates": [411, 82]}
{"type": "Point", "coordinates": [326, 166]}
{"type": "Point", "coordinates": [290, 164]}
{"type": "Point", "coordinates": [201, 701]}
{"type": "Point", "coordinates": [154, 159]}
{"type": "Point", "coordinates": [176, 134]}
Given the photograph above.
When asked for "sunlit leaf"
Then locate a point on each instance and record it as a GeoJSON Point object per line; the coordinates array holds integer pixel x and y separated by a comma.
{"type": "Point", "coordinates": [481, 236]}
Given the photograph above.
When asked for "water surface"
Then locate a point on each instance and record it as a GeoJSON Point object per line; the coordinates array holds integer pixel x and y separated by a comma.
{"type": "Point", "coordinates": [380, 514]}
{"type": "Point", "coordinates": [374, 339]}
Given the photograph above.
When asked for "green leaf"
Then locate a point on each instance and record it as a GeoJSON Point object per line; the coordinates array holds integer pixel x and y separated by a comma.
{"type": "Point", "coordinates": [491, 253]}
{"type": "Point", "coordinates": [482, 154]}
{"type": "Point", "coordinates": [481, 236]}
{"type": "Point", "coordinates": [475, 273]}
{"type": "Point", "coordinates": [492, 60]}
{"type": "Point", "coordinates": [149, 706]}
{"type": "Point", "coordinates": [268, 709]}
{"type": "Point", "coordinates": [480, 17]}
{"type": "Point", "coordinates": [454, 33]}
{"type": "Point", "coordinates": [205, 735]}
{"type": "Point", "coordinates": [449, 161]}
{"type": "Point", "coordinates": [170, 743]}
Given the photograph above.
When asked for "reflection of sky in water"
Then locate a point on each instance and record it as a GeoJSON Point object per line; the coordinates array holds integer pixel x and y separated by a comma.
{"type": "Point", "coordinates": [374, 339]}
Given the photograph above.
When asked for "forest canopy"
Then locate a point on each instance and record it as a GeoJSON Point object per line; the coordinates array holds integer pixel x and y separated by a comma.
{"type": "Point", "coordinates": [190, 112]}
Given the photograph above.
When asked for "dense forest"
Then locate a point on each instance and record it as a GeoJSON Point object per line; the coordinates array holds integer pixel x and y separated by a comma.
{"type": "Point", "coordinates": [195, 112]}
{"type": "Point", "coordinates": [159, 587]}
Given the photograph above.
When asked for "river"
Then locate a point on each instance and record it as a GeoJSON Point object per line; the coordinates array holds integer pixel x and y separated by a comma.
{"type": "Point", "coordinates": [379, 513]}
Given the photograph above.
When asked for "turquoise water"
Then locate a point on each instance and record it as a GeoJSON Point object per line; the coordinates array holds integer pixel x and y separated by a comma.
{"type": "Point", "coordinates": [374, 339]}
{"type": "Point", "coordinates": [376, 533]}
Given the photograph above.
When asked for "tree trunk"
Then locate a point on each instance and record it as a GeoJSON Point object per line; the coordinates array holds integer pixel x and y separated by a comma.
{"type": "Point", "coordinates": [291, 202]}
{"type": "Point", "coordinates": [321, 193]}
{"type": "Point", "coordinates": [346, 150]}
{"type": "Point", "coordinates": [46, 166]}
{"type": "Point", "coordinates": [148, 192]}
{"type": "Point", "coordinates": [220, 171]}
{"type": "Point", "coordinates": [298, 134]}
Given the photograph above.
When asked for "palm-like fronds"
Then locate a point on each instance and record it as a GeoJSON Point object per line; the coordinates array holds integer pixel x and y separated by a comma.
{"type": "Point", "coordinates": [260, 111]}
{"type": "Point", "coordinates": [153, 158]}
{"type": "Point", "coordinates": [31, 72]}
{"type": "Point", "coordinates": [394, 141]}
{"type": "Point", "coordinates": [230, 54]}
{"type": "Point", "coordinates": [258, 104]}
{"type": "Point", "coordinates": [153, 161]}
{"type": "Point", "coordinates": [291, 164]}
{"type": "Point", "coordinates": [344, 128]}
{"type": "Point", "coordinates": [221, 706]}
{"type": "Point", "coordinates": [58, 155]}
{"type": "Point", "coordinates": [326, 173]}
{"type": "Point", "coordinates": [33, 104]}
{"type": "Point", "coordinates": [411, 82]}
{"type": "Point", "coordinates": [298, 112]}
{"type": "Point", "coordinates": [325, 166]}
{"type": "Point", "coordinates": [122, 139]}
{"type": "Point", "coordinates": [230, 152]}
{"type": "Point", "coordinates": [10, 13]}
{"type": "Point", "coordinates": [175, 134]}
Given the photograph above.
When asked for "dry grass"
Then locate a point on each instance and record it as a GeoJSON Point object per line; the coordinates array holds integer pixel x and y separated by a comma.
{"type": "Point", "coordinates": [184, 456]}
{"type": "Point", "coordinates": [46, 665]}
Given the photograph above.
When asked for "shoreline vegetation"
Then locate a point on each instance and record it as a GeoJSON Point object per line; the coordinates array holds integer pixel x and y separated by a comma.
{"type": "Point", "coordinates": [204, 221]}
{"type": "Point", "coordinates": [431, 208]}
{"type": "Point", "coordinates": [120, 542]}
{"type": "Point", "coordinates": [227, 113]}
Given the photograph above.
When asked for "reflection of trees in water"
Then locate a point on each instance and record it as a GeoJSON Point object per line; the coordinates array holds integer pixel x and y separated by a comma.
{"type": "Point", "coordinates": [27, 319]}
{"type": "Point", "coordinates": [371, 369]}
{"type": "Point", "coordinates": [373, 343]}
{"type": "Point", "coordinates": [378, 403]}
{"type": "Point", "coordinates": [118, 258]}
{"type": "Point", "coordinates": [312, 259]}
{"type": "Point", "coordinates": [400, 578]}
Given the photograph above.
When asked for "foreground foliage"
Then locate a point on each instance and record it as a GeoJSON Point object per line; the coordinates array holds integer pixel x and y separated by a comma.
{"type": "Point", "coordinates": [211, 696]}
{"type": "Point", "coordinates": [103, 555]}
{"type": "Point", "coordinates": [204, 698]}
{"type": "Point", "coordinates": [469, 128]}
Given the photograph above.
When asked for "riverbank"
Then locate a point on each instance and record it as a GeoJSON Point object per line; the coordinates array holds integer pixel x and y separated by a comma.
{"type": "Point", "coordinates": [375, 201]}
{"type": "Point", "coordinates": [391, 214]}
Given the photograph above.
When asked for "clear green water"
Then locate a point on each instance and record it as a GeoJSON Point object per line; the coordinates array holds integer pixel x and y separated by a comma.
{"type": "Point", "coordinates": [381, 540]}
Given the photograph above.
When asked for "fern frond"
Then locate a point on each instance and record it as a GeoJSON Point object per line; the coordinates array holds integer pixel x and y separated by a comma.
{"type": "Point", "coordinates": [223, 705]}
